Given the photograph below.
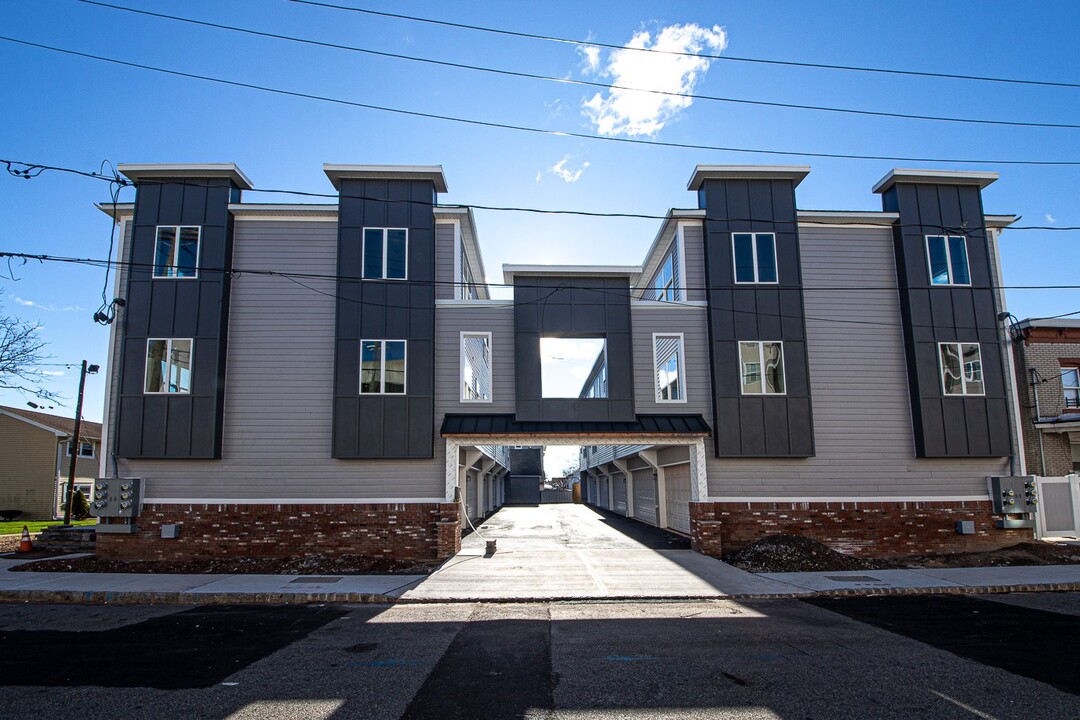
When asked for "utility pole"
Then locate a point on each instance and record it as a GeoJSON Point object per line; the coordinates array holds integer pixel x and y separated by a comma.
{"type": "Point", "coordinates": [74, 447]}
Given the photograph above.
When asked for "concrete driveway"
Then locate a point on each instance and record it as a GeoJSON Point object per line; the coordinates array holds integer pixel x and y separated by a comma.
{"type": "Point", "coordinates": [565, 551]}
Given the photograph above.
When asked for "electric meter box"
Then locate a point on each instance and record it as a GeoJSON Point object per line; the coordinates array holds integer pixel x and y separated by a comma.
{"type": "Point", "coordinates": [1014, 495]}
{"type": "Point", "coordinates": [116, 497]}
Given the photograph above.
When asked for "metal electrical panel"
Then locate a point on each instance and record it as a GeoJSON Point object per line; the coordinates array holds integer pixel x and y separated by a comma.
{"type": "Point", "coordinates": [1016, 498]}
{"type": "Point", "coordinates": [116, 497]}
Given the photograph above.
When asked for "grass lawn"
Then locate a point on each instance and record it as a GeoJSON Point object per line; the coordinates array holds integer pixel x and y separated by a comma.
{"type": "Point", "coordinates": [15, 526]}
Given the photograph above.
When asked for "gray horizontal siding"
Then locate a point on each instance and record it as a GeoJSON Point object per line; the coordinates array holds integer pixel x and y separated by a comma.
{"type": "Point", "coordinates": [862, 417]}
{"type": "Point", "coordinates": [694, 262]}
{"type": "Point", "coordinates": [450, 322]}
{"type": "Point", "coordinates": [692, 323]}
{"type": "Point", "coordinates": [279, 389]}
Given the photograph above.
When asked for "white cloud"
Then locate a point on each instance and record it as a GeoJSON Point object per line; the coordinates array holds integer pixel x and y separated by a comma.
{"type": "Point", "coordinates": [1050, 219]}
{"type": "Point", "coordinates": [51, 307]}
{"type": "Point", "coordinates": [539, 174]}
{"type": "Point", "coordinates": [54, 373]}
{"type": "Point", "coordinates": [629, 112]}
{"type": "Point", "coordinates": [590, 58]}
{"type": "Point", "coordinates": [560, 170]}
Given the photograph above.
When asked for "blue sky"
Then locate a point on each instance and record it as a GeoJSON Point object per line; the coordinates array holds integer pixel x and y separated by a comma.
{"type": "Point", "coordinates": [75, 112]}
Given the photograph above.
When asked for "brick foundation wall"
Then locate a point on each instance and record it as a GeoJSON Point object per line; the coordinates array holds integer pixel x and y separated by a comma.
{"type": "Point", "coordinates": [865, 529]}
{"type": "Point", "coordinates": [413, 531]}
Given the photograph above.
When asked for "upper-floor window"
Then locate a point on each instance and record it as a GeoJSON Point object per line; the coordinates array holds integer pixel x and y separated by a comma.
{"type": "Point", "coordinates": [668, 366]}
{"type": "Point", "coordinates": [176, 254]}
{"type": "Point", "coordinates": [86, 449]}
{"type": "Point", "coordinates": [762, 367]}
{"type": "Point", "coordinates": [385, 253]}
{"type": "Point", "coordinates": [382, 367]}
{"type": "Point", "coordinates": [476, 367]}
{"type": "Point", "coordinates": [961, 368]}
{"type": "Point", "coordinates": [467, 285]}
{"type": "Point", "coordinates": [1070, 385]}
{"type": "Point", "coordinates": [948, 259]}
{"type": "Point", "coordinates": [755, 257]}
{"type": "Point", "coordinates": [168, 365]}
{"type": "Point", "coordinates": [665, 284]}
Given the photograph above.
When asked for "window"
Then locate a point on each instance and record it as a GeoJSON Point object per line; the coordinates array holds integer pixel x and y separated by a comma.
{"type": "Point", "coordinates": [382, 367]}
{"type": "Point", "coordinates": [668, 364]}
{"type": "Point", "coordinates": [176, 254]}
{"type": "Point", "coordinates": [168, 366]}
{"type": "Point", "coordinates": [755, 257]}
{"type": "Point", "coordinates": [385, 253]}
{"type": "Point", "coordinates": [475, 367]}
{"type": "Point", "coordinates": [86, 449]}
{"type": "Point", "coordinates": [1070, 385]}
{"type": "Point", "coordinates": [665, 284]}
{"type": "Point", "coordinates": [762, 368]}
{"type": "Point", "coordinates": [961, 368]}
{"type": "Point", "coordinates": [948, 259]}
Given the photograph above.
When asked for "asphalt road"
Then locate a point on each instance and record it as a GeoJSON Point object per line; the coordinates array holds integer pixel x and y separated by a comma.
{"type": "Point", "coordinates": [931, 657]}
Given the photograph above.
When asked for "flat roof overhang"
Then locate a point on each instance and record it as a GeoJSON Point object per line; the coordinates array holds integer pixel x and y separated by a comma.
{"type": "Point", "coordinates": [659, 427]}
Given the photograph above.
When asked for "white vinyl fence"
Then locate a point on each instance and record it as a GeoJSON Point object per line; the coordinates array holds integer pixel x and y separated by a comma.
{"type": "Point", "coordinates": [1059, 506]}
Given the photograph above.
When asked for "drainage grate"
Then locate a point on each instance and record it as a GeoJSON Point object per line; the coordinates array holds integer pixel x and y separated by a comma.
{"type": "Point", "coordinates": [315, 579]}
{"type": "Point", "coordinates": [852, 578]}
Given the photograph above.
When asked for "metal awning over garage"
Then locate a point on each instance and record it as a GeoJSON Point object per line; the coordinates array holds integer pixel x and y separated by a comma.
{"type": "Point", "coordinates": [654, 426]}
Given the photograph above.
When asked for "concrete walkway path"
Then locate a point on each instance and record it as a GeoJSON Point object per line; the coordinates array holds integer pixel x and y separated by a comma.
{"type": "Point", "coordinates": [550, 552]}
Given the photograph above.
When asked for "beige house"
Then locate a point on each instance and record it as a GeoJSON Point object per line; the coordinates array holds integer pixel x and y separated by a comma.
{"type": "Point", "coordinates": [35, 457]}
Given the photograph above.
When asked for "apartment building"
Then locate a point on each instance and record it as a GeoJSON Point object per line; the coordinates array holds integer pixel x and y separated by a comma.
{"type": "Point", "coordinates": [294, 378]}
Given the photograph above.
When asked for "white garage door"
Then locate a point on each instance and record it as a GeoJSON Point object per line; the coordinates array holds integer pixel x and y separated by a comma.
{"type": "Point", "coordinates": [677, 490]}
{"type": "Point", "coordinates": [603, 492]}
{"type": "Point", "coordinates": [645, 496]}
{"type": "Point", "coordinates": [619, 483]}
{"type": "Point", "coordinates": [470, 496]}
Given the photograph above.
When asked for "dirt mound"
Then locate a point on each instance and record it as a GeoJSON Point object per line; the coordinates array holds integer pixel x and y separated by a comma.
{"type": "Point", "coordinates": [794, 553]}
{"type": "Point", "coordinates": [1026, 553]}
{"type": "Point", "coordinates": [344, 565]}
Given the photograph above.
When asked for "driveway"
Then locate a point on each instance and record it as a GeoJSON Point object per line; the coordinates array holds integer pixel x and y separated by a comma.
{"type": "Point", "coordinates": [566, 551]}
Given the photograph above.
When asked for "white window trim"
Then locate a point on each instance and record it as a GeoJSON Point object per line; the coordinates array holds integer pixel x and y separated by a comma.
{"type": "Point", "coordinates": [753, 247]}
{"type": "Point", "coordinates": [176, 253]}
{"type": "Point", "coordinates": [385, 254]}
{"type": "Point", "coordinates": [681, 369]}
{"type": "Point", "coordinates": [948, 261]}
{"type": "Point", "coordinates": [461, 363]}
{"type": "Point", "coordinates": [168, 354]}
{"type": "Point", "coordinates": [963, 376]}
{"type": "Point", "coordinates": [91, 456]}
{"type": "Point", "coordinates": [1064, 388]}
{"type": "Point", "coordinates": [761, 363]}
{"type": "Point", "coordinates": [382, 368]}
{"type": "Point", "coordinates": [681, 295]}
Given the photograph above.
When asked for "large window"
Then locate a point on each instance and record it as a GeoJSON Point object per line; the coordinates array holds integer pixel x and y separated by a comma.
{"type": "Point", "coordinates": [665, 284]}
{"type": "Point", "coordinates": [573, 367]}
{"type": "Point", "coordinates": [382, 367]}
{"type": "Point", "coordinates": [176, 254]}
{"type": "Point", "coordinates": [168, 365]}
{"type": "Point", "coordinates": [755, 257]}
{"type": "Point", "coordinates": [86, 449]}
{"type": "Point", "coordinates": [385, 253]}
{"type": "Point", "coordinates": [1070, 385]}
{"type": "Point", "coordinates": [948, 259]}
{"type": "Point", "coordinates": [762, 367]}
{"type": "Point", "coordinates": [668, 365]}
{"type": "Point", "coordinates": [476, 367]}
{"type": "Point", "coordinates": [961, 368]}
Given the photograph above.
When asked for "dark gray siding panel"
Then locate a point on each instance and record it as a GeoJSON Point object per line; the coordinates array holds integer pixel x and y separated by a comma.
{"type": "Point", "coordinates": [188, 425]}
{"type": "Point", "coordinates": [777, 426]}
{"type": "Point", "coordinates": [948, 426]}
{"type": "Point", "coordinates": [368, 427]}
{"type": "Point", "coordinates": [573, 307]}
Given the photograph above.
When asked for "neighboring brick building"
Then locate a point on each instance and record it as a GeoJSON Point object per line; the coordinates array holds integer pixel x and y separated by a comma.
{"type": "Point", "coordinates": [1048, 379]}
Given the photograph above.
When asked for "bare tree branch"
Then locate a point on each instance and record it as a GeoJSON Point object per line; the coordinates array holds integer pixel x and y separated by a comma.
{"type": "Point", "coordinates": [21, 356]}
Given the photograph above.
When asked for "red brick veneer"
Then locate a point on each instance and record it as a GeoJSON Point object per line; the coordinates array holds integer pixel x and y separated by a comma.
{"type": "Point", "coordinates": [412, 531]}
{"type": "Point", "coordinates": [867, 529]}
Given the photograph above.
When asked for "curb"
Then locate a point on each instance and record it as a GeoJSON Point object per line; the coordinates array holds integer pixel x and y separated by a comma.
{"type": "Point", "coordinates": [75, 597]}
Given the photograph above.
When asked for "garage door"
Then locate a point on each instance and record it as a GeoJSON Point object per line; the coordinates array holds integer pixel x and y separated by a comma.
{"type": "Point", "coordinates": [487, 494]}
{"type": "Point", "coordinates": [645, 496]}
{"type": "Point", "coordinates": [523, 490]}
{"type": "Point", "coordinates": [619, 483]}
{"type": "Point", "coordinates": [677, 491]}
{"type": "Point", "coordinates": [603, 492]}
{"type": "Point", "coordinates": [470, 496]}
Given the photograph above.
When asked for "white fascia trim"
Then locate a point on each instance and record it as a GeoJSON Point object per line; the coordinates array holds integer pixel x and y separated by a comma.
{"type": "Point", "coordinates": [935, 177]}
{"type": "Point", "coordinates": [434, 173]}
{"type": "Point", "coordinates": [843, 218]}
{"type": "Point", "coordinates": [284, 212]}
{"type": "Point", "coordinates": [630, 271]}
{"type": "Point", "coordinates": [199, 171]}
{"type": "Point", "coordinates": [289, 501]}
{"type": "Point", "coordinates": [664, 305]}
{"type": "Point", "coordinates": [474, 303]}
{"type": "Point", "coordinates": [36, 424]}
{"type": "Point", "coordinates": [123, 210]}
{"type": "Point", "coordinates": [868, 499]}
{"type": "Point", "coordinates": [795, 173]}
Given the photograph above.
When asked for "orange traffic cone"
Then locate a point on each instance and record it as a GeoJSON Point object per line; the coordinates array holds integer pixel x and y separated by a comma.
{"type": "Point", "coordinates": [25, 545]}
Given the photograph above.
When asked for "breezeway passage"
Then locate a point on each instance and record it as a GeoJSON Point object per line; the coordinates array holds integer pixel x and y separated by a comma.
{"type": "Point", "coordinates": [574, 551]}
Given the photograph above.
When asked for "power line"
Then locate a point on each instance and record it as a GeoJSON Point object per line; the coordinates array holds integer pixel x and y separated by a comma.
{"type": "Point", "coordinates": [729, 58]}
{"type": "Point", "coordinates": [587, 83]}
{"type": "Point", "coordinates": [529, 129]}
